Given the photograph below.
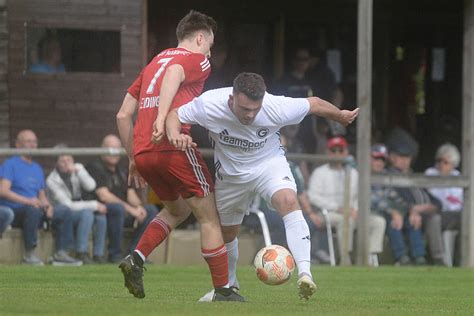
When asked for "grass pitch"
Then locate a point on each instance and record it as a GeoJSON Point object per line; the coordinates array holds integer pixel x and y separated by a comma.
{"type": "Point", "coordinates": [98, 290]}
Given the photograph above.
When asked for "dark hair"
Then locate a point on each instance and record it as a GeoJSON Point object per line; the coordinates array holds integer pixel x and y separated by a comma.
{"type": "Point", "coordinates": [250, 84]}
{"type": "Point", "coordinates": [195, 21]}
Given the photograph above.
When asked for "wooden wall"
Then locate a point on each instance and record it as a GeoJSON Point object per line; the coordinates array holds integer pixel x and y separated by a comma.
{"type": "Point", "coordinates": [4, 118]}
{"type": "Point", "coordinates": [75, 108]}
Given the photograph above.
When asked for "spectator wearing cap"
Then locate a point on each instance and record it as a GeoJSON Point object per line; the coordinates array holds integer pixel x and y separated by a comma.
{"type": "Point", "coordinates": [386, 202]}
{"type": "Point", "coordinates": [326, 191]}
{"type": "Point", "coordinates": [420, 208]}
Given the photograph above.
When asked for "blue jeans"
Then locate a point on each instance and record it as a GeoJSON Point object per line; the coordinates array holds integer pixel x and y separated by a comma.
{"type": "Point", "coordinates": [151, 212]}
{"type": "Point", "coordinates": [62, 225]}
{"type": "Point", "coordinates": [99, 234]}
{"type": "Point", "coordinates": [6, 217]}
{"type": "Point", "coordinates": [28, 218]}
{"type": "Point", "coordinates": [397, 239]}
{"type": "Point", "coordinates": [115, 220]}
{"type": "Point", "coordinates": [82, 221]}
{"type": "Point", "coordinates": [115, 224]}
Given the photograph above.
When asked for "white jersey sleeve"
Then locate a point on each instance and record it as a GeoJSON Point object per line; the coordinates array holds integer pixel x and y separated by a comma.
{"type": "Point", "coordinates": [286, 110]}
{"type": "Point", "coordinates": [193, 112]}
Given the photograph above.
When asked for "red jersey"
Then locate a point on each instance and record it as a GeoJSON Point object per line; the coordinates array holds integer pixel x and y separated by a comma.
{"type": "Point", "coordinates": [146, 89]}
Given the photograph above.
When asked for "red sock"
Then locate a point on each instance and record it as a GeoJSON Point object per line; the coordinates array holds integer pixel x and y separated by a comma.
{"type": "Point", "coordinates": [218, 264]}
{"type": "Point", "coordinates": [153, 236]}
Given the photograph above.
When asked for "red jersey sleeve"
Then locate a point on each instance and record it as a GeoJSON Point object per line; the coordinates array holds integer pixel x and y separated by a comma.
{"type": "Point", "coordinates": [134, 89]}
{"type": "Point", "coordinates": [196, 67]}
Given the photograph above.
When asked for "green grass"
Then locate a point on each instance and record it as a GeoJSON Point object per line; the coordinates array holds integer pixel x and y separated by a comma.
{"type": "Point", "coordinates": [98, 290]}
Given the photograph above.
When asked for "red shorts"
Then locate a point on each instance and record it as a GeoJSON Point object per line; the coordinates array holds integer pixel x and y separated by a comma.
{"type": "Point", "coordinates": [175, 173]}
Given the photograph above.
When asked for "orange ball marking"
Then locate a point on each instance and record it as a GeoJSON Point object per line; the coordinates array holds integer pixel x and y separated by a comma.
{"type": "Point", "coordinates": [262, 274]}
{"type": "Point", "coordinates": [270, 255]}
{"type": "Point", "coordinates": [290, 263]}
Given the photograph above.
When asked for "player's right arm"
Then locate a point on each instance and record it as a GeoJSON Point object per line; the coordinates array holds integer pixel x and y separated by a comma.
{"type": "Point", "coordinates": [174, 76]}
{"type": "Point", "coordinates": [173, 131]}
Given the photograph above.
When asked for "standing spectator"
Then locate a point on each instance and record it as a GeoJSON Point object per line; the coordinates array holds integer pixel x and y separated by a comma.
{"type": "Point", "coordinates": [123, 204]}
{"type": "Point", "coordinates": [451, 198]}
{"type": "Point", "coordinates": [421, 208]}
{"type": "Point", "coordinates": [296, 83]}
{"type": "Point", "coordinates": [386, 202]}
{"type": "Point", "coordinates": [67, 184]}
{"type": "Point", "coordinates": [22, 188]}
{"type": "Point", "coordinates": [6, 213]}
{"type": "Point", "coordinates": [326, 191]}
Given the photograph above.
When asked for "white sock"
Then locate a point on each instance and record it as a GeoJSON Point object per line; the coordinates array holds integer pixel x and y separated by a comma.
{"type": "Point", "coordinates": [233, 255]}
{"type": "Point", "coordinates": [299, 240]}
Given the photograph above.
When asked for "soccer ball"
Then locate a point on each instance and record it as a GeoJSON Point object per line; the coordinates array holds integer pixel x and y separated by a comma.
{"type": "Point", "coordinates": [274, 265]}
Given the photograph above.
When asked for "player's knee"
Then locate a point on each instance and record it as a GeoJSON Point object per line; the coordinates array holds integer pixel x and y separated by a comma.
{"type": "Point", "coordinates": [287, 201]}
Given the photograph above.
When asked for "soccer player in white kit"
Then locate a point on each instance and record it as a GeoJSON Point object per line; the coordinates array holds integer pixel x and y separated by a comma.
{"type": "Point", "coordinates": [244, 123]}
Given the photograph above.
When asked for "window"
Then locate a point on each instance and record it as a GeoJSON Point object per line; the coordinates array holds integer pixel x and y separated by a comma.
{"type": "Point", "coordinates": [57, 50]}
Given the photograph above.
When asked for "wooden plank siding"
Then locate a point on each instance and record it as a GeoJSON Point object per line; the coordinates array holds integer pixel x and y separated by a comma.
{"type": "Point", "coordinates": [4, 117]}
{"type": "Point", "coordinates": [75, 108]}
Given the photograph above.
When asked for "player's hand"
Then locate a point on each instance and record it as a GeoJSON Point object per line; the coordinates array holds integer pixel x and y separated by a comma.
{"type": "Point", "coordinates": [354, 213]}
{"type": "Point", "coordinates": [182, 141]}
{"type": "Point", "coordinates": [134, 178]}
{"type": "Point", "coordinates": [347, 117]}
{"type": "Point", "coordinates": [158, 131]}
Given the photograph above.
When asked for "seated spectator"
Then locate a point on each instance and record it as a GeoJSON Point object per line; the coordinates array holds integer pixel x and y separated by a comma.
{"type": "Point", "coordinates": [326, 191]}
{"type": "Point", "coordinates": [421, 209]}
{"type": "Point", "coordinates": [124, 207]}
{"type": "Point", "coordinates": [451, 198]}
{"type": "Point", "coordinates": [67, 184]}
{"type": "Point", "coordinates": [22, 188]}
{"type": "Point", "coordinates": [6, 213]}
{"type": "Point", "coordinates": [49, 50]}
{"type": "Point", "coordinates": [386, 202]}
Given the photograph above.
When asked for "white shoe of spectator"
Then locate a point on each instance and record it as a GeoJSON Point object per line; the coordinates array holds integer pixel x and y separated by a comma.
{"type": "Point", "coordinates": [31, 259]}
{"type": "Point", "coordinates": [61, 258]}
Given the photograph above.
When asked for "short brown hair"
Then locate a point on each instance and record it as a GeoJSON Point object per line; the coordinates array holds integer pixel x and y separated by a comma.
{"type": "Point", "coordinates": [250, 84]}
{"type": "Point", "coordinates": [195, 21]}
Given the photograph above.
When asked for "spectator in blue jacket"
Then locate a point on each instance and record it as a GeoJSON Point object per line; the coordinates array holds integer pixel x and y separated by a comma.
{"type": "Point", "coordinates": [6, 213]}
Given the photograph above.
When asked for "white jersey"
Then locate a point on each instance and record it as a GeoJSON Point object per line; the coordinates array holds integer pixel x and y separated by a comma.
{"type": "Point", "coordinates": [240, 150]}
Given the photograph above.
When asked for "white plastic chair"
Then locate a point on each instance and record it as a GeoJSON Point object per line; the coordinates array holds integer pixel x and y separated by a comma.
{"type": "Point", "coordinates": [254, 208]}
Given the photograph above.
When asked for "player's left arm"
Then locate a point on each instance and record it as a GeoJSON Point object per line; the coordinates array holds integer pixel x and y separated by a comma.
{"type": "Point", "coordinates": [325, 109]}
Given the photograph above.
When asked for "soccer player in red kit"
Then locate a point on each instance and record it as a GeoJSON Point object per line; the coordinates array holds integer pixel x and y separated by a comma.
{"type": "Point", "coordinates": [179, 178]}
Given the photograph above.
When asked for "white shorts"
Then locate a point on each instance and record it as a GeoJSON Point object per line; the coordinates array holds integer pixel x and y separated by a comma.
{"type": "Point", "coordinates": [233, 199]}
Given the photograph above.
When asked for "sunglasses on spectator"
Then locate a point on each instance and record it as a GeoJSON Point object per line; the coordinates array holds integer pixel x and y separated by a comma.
{"type": "Point", "coordinates": [442, 161]}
